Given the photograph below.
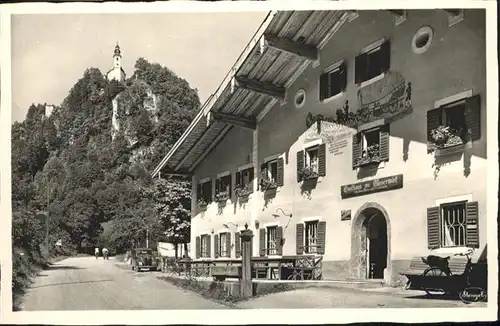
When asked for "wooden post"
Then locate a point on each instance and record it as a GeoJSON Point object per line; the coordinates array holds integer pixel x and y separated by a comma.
{"type": "Point", "coordinates": [246, 259]}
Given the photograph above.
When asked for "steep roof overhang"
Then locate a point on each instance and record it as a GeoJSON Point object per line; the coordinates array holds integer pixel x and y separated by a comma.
{"type": "Point", "coordinates": [281, 49]}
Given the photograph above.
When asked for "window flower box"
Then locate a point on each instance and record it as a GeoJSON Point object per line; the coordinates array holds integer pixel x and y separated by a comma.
{"type": "Point", "coordinates": [242, 190]}
{"type": "Point", "coordinates": [307, 173]}
{"type": "Point", "coordinates": [445, 137]}
{"type": "Point", "coordinates": [202, 203]}
{"type": "Point", "coordinates": [222, 196]}
{"type": "Point", "coordinates": [266, 183]}
{"type": "Point", "coordinates": [370, 155]}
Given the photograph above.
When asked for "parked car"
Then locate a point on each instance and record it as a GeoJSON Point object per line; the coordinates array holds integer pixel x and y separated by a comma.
{"type": "Point", "coordinates": [144, 258]}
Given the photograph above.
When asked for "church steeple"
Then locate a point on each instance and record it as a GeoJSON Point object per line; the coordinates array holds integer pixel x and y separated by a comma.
{"type": "Point", "coordinates": [117, 51]}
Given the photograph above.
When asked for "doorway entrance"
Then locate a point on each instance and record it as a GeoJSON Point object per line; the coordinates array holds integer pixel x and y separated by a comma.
{"type": "Point", "coordinates": [376, 241]}
{"type": "Point", "coordinates": [370, 243]}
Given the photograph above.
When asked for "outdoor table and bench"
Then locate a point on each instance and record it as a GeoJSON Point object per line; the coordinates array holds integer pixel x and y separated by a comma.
{"type": "Point", "coordinates": [302, 267]}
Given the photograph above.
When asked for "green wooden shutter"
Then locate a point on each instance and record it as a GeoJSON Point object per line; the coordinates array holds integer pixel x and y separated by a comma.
{"type": "Point", "coordinates": [299, 238]}
{"type": "Point", "coordinates": [433, 121]}
{"type": "Point", "coordinates": [228, 244]}
{"type": "Point", "coordinates": [262, 242]}
{"type": "Point", "coordinates": [342, 79]}
{"type": "Point", "coordinates": [280, 174]}
{"type": "Point", "coordinates": [433, 227]}
{"type": "Point", "coordinates": [323, 86]}
{"type": "Point", "coordinates": [321, 237]}
{"type": "Point", "coordinates": [279, 237]}
{"type": "Point", "coordinates": [360, 68]}
{"type": "Point", "coordinates": [385, 56]}
{"type": "Point", "coordinates": [216, 246]}
{"type": "Point", "coordinates": [237, 245]}
{"type": "Point", "coordinates": [472, 227]}
{"type": "Point", "coordinates": [198, 247]}
{"type": "Point", "coordinates": [322, 160]}
{"type": "Point", "coordinates": [356, 150]}
{"type": "Point", "coordinates": [473, 116]}
{"type": "Point", "coordinates": [384, 143]}
{"type": "Point", "coordinates": [250, 178]}
{"type": "Point", "coordinates": [300, 164]}
{"type": "Point", "coordinates": [209, 248]}
{"type": "Point", "coordinates": [207, 192]}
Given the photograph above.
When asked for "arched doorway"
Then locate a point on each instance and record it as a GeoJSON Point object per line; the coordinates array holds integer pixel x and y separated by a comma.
{"type": "Point", "coordinates": [370, 243]}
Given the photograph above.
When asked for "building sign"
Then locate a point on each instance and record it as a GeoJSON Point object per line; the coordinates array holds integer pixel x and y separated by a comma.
{"type": "Point", "coordinates": [345, 215]}
{"type": "Point", "coordinates": [372, 186]}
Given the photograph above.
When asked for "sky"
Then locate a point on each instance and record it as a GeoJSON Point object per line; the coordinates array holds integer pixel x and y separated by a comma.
{"type": "Point", "coordinates": [50, 52]}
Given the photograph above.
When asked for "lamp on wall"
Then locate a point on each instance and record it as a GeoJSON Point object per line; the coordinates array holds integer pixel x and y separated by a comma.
{"type": "Point", "coordinates": [282, 212]}
{"type": "Point", "coordinates": [282, 240]}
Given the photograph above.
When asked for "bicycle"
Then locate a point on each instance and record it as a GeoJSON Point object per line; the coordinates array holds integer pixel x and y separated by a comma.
{"type": "Point", "coordinates": [439, 268]}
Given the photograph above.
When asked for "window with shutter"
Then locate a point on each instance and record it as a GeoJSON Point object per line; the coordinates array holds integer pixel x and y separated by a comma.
{"type": "Point", "coordinates": [237, 245]}
{"type": "Point", "coordinates": [280, 172]}
{"type": "Point", "coordinates": [373, 146]}
{"type": "Point", "coordinates": [269, 175]}
{"type": "Point", "coordinates": [453, 224]}
{"type": "Point", "coordinates": [198, 247]}
{"type": "Point", "coordinates": [356, 150]}
{"type": "Point", "coordinates": [300, 164]}
{"type": "Point", "coordinates": [333, 82]}
{"type": "Point", "coordinates": [473, 117]}
{"type": "Point", "coordinates": [433, 232]}
{"type": "Point", "coordinates": [472, 228]}
{"type": "Point", "coordinates": [204, 246]}
{"type": "Point", "coordinates": [223, 188]}
{"type": "Point", "coordinates": [322, 160]}
{"type": "Point", "coordinates": [271, 236]}
{"type": "Point", "coordinates": [216, 246]}
{"type": "Point", "coordinates": [384, 143]}
{"type": "Point", "coordinates": [208, 250]}
{"type": "Point", "coordinates": [262, 242]}
{"type": "Point", "coordinates": [373, 63]}
{"type": "Point", "coordinates": [228, 245]}
{"type": "Point", "coordinates": [244, 183]}
{"type": "Point", "coordinates": [321, 238]}
{"type": "Point", "coordinates": [311, 237]}
{"type": "Point", "coordinates": [299, 238]}
{"type": "Point", "coordinates": [279, 241]}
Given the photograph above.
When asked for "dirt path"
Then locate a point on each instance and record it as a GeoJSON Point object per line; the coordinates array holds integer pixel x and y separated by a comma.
{"type": "Point", "coordinates": [89, 284]}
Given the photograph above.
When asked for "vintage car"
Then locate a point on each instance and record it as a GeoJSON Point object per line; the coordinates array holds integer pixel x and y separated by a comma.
{"type": "Point", "coordinates": [144, 258]}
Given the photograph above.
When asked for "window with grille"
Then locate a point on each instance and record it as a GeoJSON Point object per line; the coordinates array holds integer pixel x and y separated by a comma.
{"type": "Point", "coordinates": [204, 244]}
{"type": "Point", "coordinates": [311, 230]}
{"type": "Point", "coordinates": [271, 240]}
{"type": "Point", "coordinates": [223, 250]}
{"type": "Point", "coordinates": [453, 224]}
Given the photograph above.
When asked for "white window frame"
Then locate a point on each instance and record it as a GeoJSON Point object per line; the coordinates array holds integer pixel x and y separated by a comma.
{"type": "Point", "coordinates": [307, 250]}
{"type": "Point", "coordinates": [307, 157]}
{"type": "Point", "coordinates": [270, 225]}
{"type": "Point", "coordinates": [228, 250]}
{"type": "Point", "coordinates": [201, 245]}
{"type": "Point", "coordinates": [269, 160]}
{"type": "Point", "coordinates": [309, 219]}
{"type": "Point", "coordinates": [453, 98]}
{"type": "Point", "coordinates": [450, 200]}
{"type": "Point", "coordinates": [375, 46]}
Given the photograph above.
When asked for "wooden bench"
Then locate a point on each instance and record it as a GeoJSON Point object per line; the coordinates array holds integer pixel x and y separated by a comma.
{"type": "Point", "coordinates": [457, 266]}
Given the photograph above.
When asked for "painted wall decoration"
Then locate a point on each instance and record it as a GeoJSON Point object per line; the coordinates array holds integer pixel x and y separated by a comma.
{"type": "Point", "coordinates": [372, 186]}
{"type": "Point", "coordinates": [345, 215]}
{"type": "Point", "coordinates": [388, 98]}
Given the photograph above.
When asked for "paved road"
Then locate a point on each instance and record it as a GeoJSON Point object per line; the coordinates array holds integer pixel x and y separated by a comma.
{"type": "Point", "coordinates": [85, 283]}
{"type": "Point", "coordinates": [313, 298]}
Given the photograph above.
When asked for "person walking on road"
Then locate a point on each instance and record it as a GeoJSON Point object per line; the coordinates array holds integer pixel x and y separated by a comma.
{"type": "Point", "coordinates": [105, 253]}
{"type": "Point", "coordinates": [96, 252]}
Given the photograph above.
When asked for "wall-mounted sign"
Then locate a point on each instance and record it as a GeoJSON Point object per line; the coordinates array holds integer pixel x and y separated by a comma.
{"type": "Point", "coordinates": [372, 186]}
{"type": "Point", "coordinates": [345, 215]}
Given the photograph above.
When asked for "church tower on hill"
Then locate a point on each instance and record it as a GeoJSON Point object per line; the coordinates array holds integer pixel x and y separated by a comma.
{"type": "Point", "coordinates": [117, 73]}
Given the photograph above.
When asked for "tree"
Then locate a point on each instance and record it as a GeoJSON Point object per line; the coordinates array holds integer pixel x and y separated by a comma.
{"type": "Point", "coordinates": [172, 199]}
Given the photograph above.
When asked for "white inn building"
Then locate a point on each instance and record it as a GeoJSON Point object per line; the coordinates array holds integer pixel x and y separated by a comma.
{"type": "Point", "coordinates": [356, 137]}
